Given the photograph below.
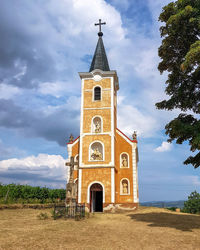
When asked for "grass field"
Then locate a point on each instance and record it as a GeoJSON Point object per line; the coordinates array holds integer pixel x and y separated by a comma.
{"type": "Point", "coordinates": [147, 228]}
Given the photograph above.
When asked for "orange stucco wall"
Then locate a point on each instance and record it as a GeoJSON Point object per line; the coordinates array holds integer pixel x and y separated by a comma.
{"type": "Point", "coordinates": [102, 175]}
{"type": "Point", "coordinates": [87, 140]}
{"type": "Point", "coordinates": [88, 93]}
{"type": "Point", "coordinates": [121, 145]}
{"type": "Point", "coordinates": [105, 114]}
{"type": "Point", "coordinates": [91, 172]}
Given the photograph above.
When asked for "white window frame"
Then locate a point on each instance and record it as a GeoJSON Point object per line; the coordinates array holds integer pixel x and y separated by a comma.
{"type": "Point", "coordinates": [93, 124]}
{"type": "Point", "coordinates": [91, 150]}
{"type": "Point", "coordinates": [88, 191]}
{"type": "Point", "coordinates": [121, 191]}
{"type": "Point", "coordinates": [93, 93]}
{"type": "Point", "coordinates": [127, 160]}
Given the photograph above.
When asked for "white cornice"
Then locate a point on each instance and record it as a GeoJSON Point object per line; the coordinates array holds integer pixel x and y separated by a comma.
{"type": "Point", "coordinates": [94, 73]}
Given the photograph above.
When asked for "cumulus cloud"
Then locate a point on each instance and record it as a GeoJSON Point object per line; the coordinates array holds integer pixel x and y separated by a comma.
{"type": "Point", "coordinates": [131, 119]}
{"type": "Point", "coordinates": [165, 146]}
{"type": "Point", "coordinates": [47, 169]}
{"type": "Point", "coordinates": [41, 42]}
{"type": "Point", "coordinates": [44, 53]}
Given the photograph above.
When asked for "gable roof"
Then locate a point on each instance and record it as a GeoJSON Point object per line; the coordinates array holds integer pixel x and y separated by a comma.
{"type": "Point", "coordinates": [126, 137]}
{"type": "Point", "coordinates": [76, 140]}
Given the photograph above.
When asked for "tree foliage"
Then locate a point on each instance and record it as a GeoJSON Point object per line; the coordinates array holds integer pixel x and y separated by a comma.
{"type": "Point", "coordinates": [180, 54]}
{"type": "Point", "coordinates": [192, 205]}
{"type": "Point", "coordinates": [13, 193]}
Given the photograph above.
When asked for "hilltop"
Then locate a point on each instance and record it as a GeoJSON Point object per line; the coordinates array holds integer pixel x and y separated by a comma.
{"type": "Point", "coordinates": [146, 228]}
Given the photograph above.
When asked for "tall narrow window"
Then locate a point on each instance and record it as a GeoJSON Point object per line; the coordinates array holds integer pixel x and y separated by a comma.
{"type": "Point", "coordinates": [97, 93]}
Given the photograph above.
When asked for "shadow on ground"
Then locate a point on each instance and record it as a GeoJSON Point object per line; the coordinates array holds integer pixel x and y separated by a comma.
{"type": "Point", "coordinates": [178, 221]}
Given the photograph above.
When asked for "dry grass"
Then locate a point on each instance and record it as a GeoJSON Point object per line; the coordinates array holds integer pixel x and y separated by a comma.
{"type": "Point", "coordinates": [147, 228]}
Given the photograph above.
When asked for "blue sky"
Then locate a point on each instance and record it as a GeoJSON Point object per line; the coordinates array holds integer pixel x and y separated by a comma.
{"type": "Point", "coordinates": [44, 44]}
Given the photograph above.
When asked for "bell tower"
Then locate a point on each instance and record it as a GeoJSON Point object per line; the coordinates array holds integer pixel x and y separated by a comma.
{"type": "Point", "coordinates": [104, 175]}
{"type": "Point", "coordinates": [98, 120]}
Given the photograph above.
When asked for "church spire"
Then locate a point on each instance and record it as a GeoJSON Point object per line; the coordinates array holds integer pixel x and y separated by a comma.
{"type": "Point", "coordinates": [100, 60]}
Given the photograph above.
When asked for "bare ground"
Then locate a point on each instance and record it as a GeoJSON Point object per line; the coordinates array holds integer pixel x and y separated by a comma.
{"type": "Point", "coordinates": [147, 228]}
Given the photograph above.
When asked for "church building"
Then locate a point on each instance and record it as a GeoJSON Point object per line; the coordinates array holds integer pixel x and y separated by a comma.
{"type": "Point", "coordinates": [106, 170]}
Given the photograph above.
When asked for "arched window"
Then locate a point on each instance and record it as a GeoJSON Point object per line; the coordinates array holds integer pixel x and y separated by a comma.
{"type": "Point", "coordinates": [124, 187]}
{"type": "Point", "coordinates": [96, 151]}
{"type": "Point", "coordinates": [97, 93]}
{"type": "Point", "coordinates": [124, 160]}
{"type": "Point", "coordinates": [96, 124]}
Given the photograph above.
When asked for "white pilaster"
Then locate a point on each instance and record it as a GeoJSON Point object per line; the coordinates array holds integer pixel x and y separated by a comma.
{"type": "Point", "coordinates": [113, 185]}
{"type": "Point", "coordinates": [135, 181]}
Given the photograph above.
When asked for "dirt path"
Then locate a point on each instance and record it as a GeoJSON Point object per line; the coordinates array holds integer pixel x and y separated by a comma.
{"type": "Point", "coordinates": [148, 228]}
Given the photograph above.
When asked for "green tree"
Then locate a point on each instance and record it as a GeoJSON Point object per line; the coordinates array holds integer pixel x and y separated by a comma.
{"type": "Point", "coordinates": [180, 54]}
{"type": "Point", "coordinates": [192, 205]}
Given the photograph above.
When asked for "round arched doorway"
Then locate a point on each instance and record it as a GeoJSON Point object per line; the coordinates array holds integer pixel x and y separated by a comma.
{"type": "Point", "coordinates": [96, 198]}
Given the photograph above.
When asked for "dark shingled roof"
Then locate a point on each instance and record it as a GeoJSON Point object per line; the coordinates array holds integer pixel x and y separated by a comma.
{"type": "Point", "coordinates": [100, 60]}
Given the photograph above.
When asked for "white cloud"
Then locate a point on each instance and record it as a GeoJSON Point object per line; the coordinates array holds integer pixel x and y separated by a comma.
{"type": "Point", "coordinates": [52, 88]}
{"type": "Point", "coordinates": [50, 169]}
{"type": "Point", "coordinates": [164, 147]}
{"type": "Point", "coordinates": [131, 119]}
{"type": "Point", "coordinates": [59, 88]}
{"type": "Point", "coordinates": [8, 91]}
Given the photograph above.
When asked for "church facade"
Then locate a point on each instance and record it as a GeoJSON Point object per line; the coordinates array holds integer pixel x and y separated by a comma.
{"type": "Point", "coordinates": [107, 171]}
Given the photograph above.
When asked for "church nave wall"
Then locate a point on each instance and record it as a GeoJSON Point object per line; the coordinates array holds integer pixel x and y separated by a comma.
{"type": "Point", "coordinates": [92, 175]}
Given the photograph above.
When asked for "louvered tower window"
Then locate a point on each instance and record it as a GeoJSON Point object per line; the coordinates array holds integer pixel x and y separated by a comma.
{"type": "Point", "coordinates": [97, 93]}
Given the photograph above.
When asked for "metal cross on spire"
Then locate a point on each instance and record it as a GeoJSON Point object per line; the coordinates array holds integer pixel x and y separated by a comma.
{"type": "Point", "coordinates": [100, 23]}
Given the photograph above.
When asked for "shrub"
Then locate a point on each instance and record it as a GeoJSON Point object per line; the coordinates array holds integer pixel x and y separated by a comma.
{"type": "Point", "coordinates": [43, 216]}
{"type": "Point", "coordinates": [172, 208]}
{"type": "Point", "coordinates": [14, 193]}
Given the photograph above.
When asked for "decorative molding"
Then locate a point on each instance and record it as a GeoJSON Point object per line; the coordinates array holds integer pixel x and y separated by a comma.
{"type": "Point", "coordinates": [103, 151]}
{"type": "Point", "coordinates": [103, 74]}
{"type": "Point", "coordinates": [135, 181]}
{"type": "Point", "coordinates": [97, 78]}
{"type": "Point", "coordinates": [121, 193]}
{"type": "Point", "coordinates": [112, 122]}
{"type": "Point", "coordinates": [127, 160]}
{"type": "Point", "coordinates": [97, 108]}
{"type": "Point", "coordinates": [103, 89]}
{"type": "Point", "coordinates": [98, 116]}
{"type": "Point", "coordinates": [109, 165]}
